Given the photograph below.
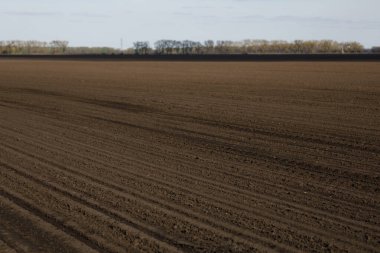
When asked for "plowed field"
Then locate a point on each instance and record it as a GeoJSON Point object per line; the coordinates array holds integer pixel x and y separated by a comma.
{"type": "Point", "coordinates": [189, 157]}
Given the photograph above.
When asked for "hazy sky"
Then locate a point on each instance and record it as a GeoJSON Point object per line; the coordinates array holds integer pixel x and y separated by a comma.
{"type": "Point", "coordinates": [104, 22]}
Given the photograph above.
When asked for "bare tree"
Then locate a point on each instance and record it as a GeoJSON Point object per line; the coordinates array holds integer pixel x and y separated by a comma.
{"type": "Point", "coordinates": [209, 46]}
{"type": "Point", "coordinates": [141, 47]}
{"type": "Point", "coordinates": [59, 46]}
{"type": "Point", "coordinates": [375, 50]}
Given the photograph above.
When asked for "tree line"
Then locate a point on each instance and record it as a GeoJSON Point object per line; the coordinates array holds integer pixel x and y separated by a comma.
{"type": "Point", "coordinates": [248, 47]}
{"type": "Point", "coordinates": [167, 47]}
{"type": "Point", "coordinates": [19, 47]}
{"type": "Point", "coordinates": [33, 47]}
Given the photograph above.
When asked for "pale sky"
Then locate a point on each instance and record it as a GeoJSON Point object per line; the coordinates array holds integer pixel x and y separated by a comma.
{"type": "Point", "coordinates": [104, 22]}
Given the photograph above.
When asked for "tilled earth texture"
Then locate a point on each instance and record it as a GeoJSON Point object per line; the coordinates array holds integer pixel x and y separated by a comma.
{"type": "Point", "coordinates": [189, 156]}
